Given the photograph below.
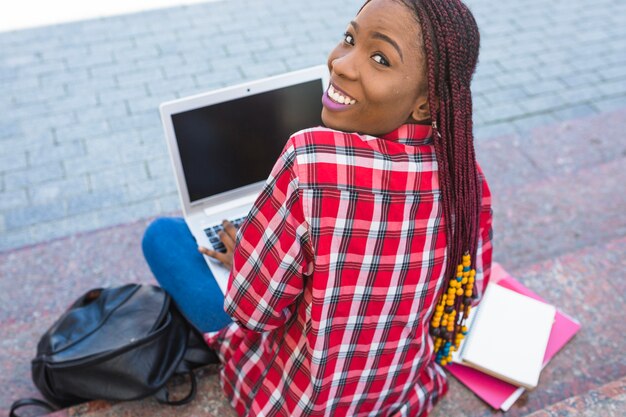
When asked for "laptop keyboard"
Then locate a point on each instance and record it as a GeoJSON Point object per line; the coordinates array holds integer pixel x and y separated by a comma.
{"type": "Point", "coordinates": [212, 234]}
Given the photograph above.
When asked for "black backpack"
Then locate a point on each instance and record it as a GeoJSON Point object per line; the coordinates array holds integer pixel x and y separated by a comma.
{"type": "Point", "coordinates": [122, 343]}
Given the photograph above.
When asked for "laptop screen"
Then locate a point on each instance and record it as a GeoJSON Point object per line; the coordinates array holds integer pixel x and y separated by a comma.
{"type": "Point", "coordinates": [236, 143]}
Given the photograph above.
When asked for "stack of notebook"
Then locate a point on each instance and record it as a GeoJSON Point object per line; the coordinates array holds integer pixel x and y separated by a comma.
{"type": "Point", "coordinates": [512, 335]}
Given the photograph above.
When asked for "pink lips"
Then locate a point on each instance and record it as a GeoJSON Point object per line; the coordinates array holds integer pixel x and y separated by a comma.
{"type": "Point", "coordinates": [333, 105]}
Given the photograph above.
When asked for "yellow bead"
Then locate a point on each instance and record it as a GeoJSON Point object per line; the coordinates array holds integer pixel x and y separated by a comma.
{"type": "Point", "coordinates": [472, 272]}
{"type": "Point", "coordinates": [439, 308]}
{"type": "Point", "coordinates": [468, 293]}
{"type": "Point", "coordinates": [444, 362]}
{"type": "Point", "coordinates": [459, 291]}
{"type": "Point", "coordinates": [464, 281]}
{"type": "Point", "coordinates": [444, 323]}
{"type": "Point", "coordinates": [471, 279]}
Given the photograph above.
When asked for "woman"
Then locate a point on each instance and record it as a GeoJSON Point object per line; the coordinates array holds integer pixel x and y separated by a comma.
{"type": "Point", "coordinates": [339, 266]}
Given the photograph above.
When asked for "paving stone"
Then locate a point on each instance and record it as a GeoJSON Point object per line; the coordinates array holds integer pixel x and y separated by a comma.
{"type": "Point", "coordinates": [134, 121]}
{"type": "Point", "coordinates": [170, 204]}
{"type": "Point", "coordinates": [574, 112]}
{"type": "Point", "coordinates": [55, 191]}
{"type": "Point", "coordinates": [118, 176]}
{"type": "Point", "coordinates": [81, 131]}
{"type": "Point", "coordinates": [531, 122]}
{"type": "Point", "coordinates": [117, 94]}
{"type": "Point", "coordinates": [13, 199]}
{"type": "Point", "coordinates": [9, 129]}
{"type": "Point", "coordinates": [135, 53]}
{"type": "Point", "coordinates": [104, 111]}
{"type": "Point", "coordinates": [90, 60]}
{"type": "Point", "coordinates": [171, 85]}
{"type": "Point", "coordinates": [90, 163]}
{"type": "Point", "coordinates": [96, 200]}
{"type": "Point", "coordinates": [151, 189]}
{"type": "Point", "coordinates": [575, 80]}
{"type": "Point", "coordinates": [504, 95]}
{"type": "Point", "coordinates": [92, 86]}
{"type": "Point", "coordinates": [16, 161]}
{"type": "Point", "coordinates": [136, 77]}
{"type": "Point", "coordinates": [59, 152]}
{"type": "Point", "coordinates": [502, 111]}
{"type": "Point", "coordinates": [39, 95]}
{"type": "Point", "coordinates": [541, 103]}
{"type": "Point", "coordinates": [18, 218]}
{"type": "Point", "coordinates": [34, 175]}
{"type": "Point", "coordinates": [32, 138]}
{"type": "Point", "coordinates": [144, 151]}
{"type": "Point", "coordinates": [610, 103]}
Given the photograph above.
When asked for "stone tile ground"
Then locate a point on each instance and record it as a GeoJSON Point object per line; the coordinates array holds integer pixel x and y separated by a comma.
{"type": "Point", "coordinates": [81, 145]}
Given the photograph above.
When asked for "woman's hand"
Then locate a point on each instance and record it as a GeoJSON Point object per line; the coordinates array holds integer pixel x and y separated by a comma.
{"type": "Point", "coordinates": [228, 237]}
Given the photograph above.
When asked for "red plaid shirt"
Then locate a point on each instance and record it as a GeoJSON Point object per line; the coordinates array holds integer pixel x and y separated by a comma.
{"type": "Point", "coordinates": [336, 273]}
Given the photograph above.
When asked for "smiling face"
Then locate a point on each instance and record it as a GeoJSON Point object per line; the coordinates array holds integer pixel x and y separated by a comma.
{"type": "Point", "coordinates": [378, 72]}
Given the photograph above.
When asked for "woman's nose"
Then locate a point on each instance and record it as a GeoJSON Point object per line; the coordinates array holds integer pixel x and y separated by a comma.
{"type": "Point", "coordinates": [345, 66]}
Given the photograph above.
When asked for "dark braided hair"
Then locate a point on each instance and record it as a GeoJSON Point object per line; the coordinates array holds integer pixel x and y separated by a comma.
{"type": "Point", "coordinates": [451, 42]}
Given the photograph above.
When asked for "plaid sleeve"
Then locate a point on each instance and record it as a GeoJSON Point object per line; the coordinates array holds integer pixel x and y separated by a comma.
{"type": "Point", "coordinates": [485, 249]}
{"type": "Point", "coordinates": [272, 251]}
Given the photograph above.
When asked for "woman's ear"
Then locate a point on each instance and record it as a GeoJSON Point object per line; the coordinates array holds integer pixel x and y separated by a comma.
{"type": "Point", "coordinates": [421, 110]}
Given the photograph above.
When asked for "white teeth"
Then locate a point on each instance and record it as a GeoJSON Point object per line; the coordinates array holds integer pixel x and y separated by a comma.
{"type": "Point", "coordinates": [338, 97]}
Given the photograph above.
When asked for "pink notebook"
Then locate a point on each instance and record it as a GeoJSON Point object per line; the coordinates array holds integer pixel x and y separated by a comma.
{"type": "Point", "coordinates": [497, 393]}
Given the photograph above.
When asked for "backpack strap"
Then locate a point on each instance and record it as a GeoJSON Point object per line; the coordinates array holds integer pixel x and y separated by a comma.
{"type": "Point", "coordinates": [25, 402]}
{"type": "Point", "coordinates": [162, 396]}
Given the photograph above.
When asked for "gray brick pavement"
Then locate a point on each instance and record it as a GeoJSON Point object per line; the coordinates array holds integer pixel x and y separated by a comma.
{"type": "Point", "coordinates": [80, 139]}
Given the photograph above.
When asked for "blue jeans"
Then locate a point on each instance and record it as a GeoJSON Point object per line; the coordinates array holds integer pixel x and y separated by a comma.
{"type": "Point", "coordinates": [172, 254]}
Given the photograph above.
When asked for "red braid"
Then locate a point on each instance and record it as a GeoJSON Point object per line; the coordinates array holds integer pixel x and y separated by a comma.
{"type": "Point", "coordinates": [451, 41]}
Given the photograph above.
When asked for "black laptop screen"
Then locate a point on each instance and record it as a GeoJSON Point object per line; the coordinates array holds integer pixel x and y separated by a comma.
{"type": "Point", "coordinates": [236, 143]}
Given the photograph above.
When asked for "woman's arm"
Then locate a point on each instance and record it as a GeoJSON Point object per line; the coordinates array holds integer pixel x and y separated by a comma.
{"type": "Point", "coordinates": [272, 252]}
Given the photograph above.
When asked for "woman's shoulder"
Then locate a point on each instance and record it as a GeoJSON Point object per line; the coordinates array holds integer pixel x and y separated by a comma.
{"type": "Point", "coordinates": [321, 135]}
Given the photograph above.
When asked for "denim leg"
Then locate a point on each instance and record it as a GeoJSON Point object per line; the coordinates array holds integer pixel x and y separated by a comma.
{"type": "Point", "coordinates": [172, 254]}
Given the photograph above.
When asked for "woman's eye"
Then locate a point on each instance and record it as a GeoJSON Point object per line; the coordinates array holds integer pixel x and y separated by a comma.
{"type": "Point", "coordinates": [347, 38]}
{"type": "Point", "coordinates": [381, 60]}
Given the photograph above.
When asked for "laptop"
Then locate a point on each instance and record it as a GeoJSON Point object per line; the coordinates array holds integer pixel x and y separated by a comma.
{"type": "Point", "coordinates": [224, 143]}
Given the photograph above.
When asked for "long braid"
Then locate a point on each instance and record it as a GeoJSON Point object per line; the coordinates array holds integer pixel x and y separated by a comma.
{"type": "Point", "coordinates": [456, 38]}
{"type": "Point", "coordinates": [451, 42]}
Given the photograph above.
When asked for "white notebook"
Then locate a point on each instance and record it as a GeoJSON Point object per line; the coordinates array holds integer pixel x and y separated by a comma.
{"type": "Point", "coordinates": [508, 336]}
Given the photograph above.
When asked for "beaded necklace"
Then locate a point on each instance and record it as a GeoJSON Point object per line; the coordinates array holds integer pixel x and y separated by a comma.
{"type": "Point", "coordinates": [447, 326]}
